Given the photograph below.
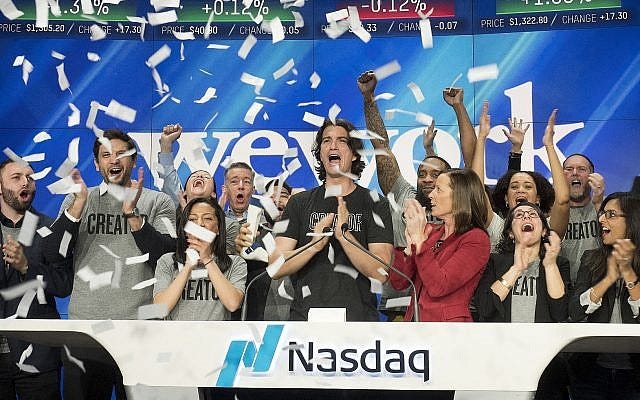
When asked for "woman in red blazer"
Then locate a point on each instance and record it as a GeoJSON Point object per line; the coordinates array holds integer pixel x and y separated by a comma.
{"type": "Point", "coordinates": [445, 261]}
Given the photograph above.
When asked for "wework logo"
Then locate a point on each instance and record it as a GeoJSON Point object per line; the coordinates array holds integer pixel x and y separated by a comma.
{"type": "Point", "coordinates": [245, 351]}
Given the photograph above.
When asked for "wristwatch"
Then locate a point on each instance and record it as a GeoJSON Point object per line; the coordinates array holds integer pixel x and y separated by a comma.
{"type": "Point", "coordinates": [134, 213]}
{"type": "Point", "coordinates": [631, 285]}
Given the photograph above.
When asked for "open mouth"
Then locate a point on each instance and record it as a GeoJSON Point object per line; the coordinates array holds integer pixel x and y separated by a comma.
{"type": "Point", "coordinates": [576, 182]}
{"type": "Point", "coordinates": [605, 231]}
{"type": "Point", "coordinates": [114, 172]}
{"type": "Point", "coordinates": [240, 197]}
{"type": "Point", "coordinates": [24, 195]}
{"type": "Point", "coordinates": [198, 183]}
{"type": "Point", "coordinates": [334, 157]}
{"type": "Point", "coordinates": [527, 228]}
{"type": "Point", "coordinates": [520, 199]}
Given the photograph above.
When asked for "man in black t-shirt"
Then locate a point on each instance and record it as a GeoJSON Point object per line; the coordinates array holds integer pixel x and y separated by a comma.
{"type": "Point", "coordinates": [334, 272]}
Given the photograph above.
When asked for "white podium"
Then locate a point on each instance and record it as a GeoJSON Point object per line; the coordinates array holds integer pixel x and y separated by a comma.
{"type": "Point", "coordinates": [352, 355]}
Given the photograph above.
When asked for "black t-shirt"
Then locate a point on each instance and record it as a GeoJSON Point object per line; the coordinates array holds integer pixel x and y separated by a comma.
{"type": "Point", "coordinates": [327, 287]}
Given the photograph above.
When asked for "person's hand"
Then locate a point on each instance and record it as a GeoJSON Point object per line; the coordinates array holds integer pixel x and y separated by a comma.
{"type": "Point", "coordinates": [623, 251]}
{"type": "Point", "coordinates": [343, 215]}
{"type": "Point", "coordinates": [428, 135]}
{"type": "Point", "coordinates": [367, 82]}
{"type": "Point", "coordinates": [596, 181]}
{"type": "Point", "coordinates": [14, 255]}
{"type": "Point", "coordinates": [416, 221]}
{"type": "Point", "coordinates": [520, 257]}
{"type": "Point", "coordinates": [549, 131]}
{"type": "Point", "coordinates": [485, 122]}
{"type": "Point", "coordinates": [222, 200]}
{"type": "Point", "coordinates": [182, 199]}
{"type": "Point", "coordinates": [244, 238]}
{"type": "Point", "coordinates": [517, 130]}
{"type": "Point", "coordinates": [137, 185]}
{"type": "Point", "coordinates": [552, 249]}
{"type": "Point", "coordinates": [202, 247]}
{"type": "Point", "coordinates": [453, 96]}
{"type": "Point", "coordinates": [170, 133]}
{"type": "Point", "coordinates": [80, 197]}
{"type": "Point", "coordinates": [326, 222]}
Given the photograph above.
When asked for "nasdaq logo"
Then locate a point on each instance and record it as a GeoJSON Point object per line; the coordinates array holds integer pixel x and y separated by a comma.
{"type": "Point", "coordinates": [245, 351]}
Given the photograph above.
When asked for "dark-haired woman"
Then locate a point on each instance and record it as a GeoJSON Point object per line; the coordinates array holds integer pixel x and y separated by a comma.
{"type": "Point", "coordinates": [526, 281]}
{"type": "Point", "coordinates": [212, 281]}
{"type": "Point", "coordinates": [608, 291]}
{"type": "Point", "coordinates": [517, 186]}
{"type": "Point", "coordinates": [445, 261]}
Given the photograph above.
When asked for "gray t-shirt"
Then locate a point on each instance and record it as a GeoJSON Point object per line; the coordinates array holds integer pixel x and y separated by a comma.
{"type": "Point", "coordinates": [199, 300]}
{"type": "Point", "coordinates": [103, 224]}
{"type": "Point", "coordinates": [524, 294]}
{"type": "Point", "coordinates": [582, 234]}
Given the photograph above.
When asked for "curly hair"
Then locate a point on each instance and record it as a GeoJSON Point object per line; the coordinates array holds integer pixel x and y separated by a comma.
{"type": "Point", "coordinates": [354, 144]}
{"type": "Point", "coordinates": [543, 188]}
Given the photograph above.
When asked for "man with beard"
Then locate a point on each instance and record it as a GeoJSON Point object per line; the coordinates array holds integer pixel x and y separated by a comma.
{"type": "Point", "coordinates": [22, 263]}
{"type": "Point", "coordinates": [101, 220]}
{"type": "Point", "coordinates": [586, 194]}
{"type": "Point", "coordinates": [200, 184]}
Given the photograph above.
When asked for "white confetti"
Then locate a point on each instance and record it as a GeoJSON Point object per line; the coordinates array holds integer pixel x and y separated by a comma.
{"type": "Point", "coordinates": [393, 204]}
{"type": "Point", "coordinates": [153, 311]}
{"type": "Point", "coordinates": [97, 33]}
{"type": "Point", "coordinates": [34, 157]}
{"type": "Point", "coordinates": [183, 35]}
{"type": "Point", "coordinates": [63, 82]}
{"type": "Point", "coordinates": [44, 231]}
{"type": "Point", "coordinates": [277, 30]}
{"type": "Point", "coordinates": [42, 299]}
{"type": "Point", "coordinates": [365, 134]}
{"type": "Point", "coordinates": [171, 229]}
{"type": "Point", "coordinates": [71, 161]}
{"type": "Point", "coordinates": [252, 80]}
{"type": "Point", "coordinates": [9, 10]}
{"type": "Point", "coordinates": [337, 15]}
{"type": "Point", "coordinates": [332, 191]}
{"type": "Point", "coordinates": [160, 4]}
{"type": "Point", "coordinates": [14, 157]}
{"type": "Point", "coordinates": [162, 17]}
{"type": "Point", "coordinates": [382, 271]}
{"type": "Point", "coordinates": [159, 56]}
{"type": "Point", "coordinates": [377, 220]}
{"type": "Point", "coordinates": [64, 244]}
{"type": "Point", "coordinates": [356, 25]}
{"type": "Point", "coordinates": [310, 103]}
{"type": "Point", "coordinates": [247, 45]}
{"type": "Point", "coordinates": [93, 57]}
{"type": "Point", "coordinates": [343, 269]}
{"type": "Point", "coordinates": [101, 280]}
{"type": "Point", "coordinates": [117, 274]}
{"type": "Point", "coordinates": [42, 13]}
{"type": "Point", "coordinates": [417, 93]}
{"type": "Point", "coordinates": [313, 119]}
{"type": "Point", "coordinates": [144, 284]}
{"type": "Point", "coordinates": [216, 46]}
{"type": "Point", "coordinates": [280, 226]}
{"type": "Point", "coordinates": [41, 137]}
{"type": "Point", "coordinates": [372, 152]}
{"type": "Point", "coordinates": [282, 292]}
{"type": "Point", "coordinates": [384, 96]}
{"type": "Point", "coordinates": [299, 20]}
{"type": "Point", "coordinates": [306, 292]}
{"type": "Point", "coordinates": [74, 118]}
{"type": "Point", "coordinates": [57, 55]}
{"type": "Point", "coordinates": [331, 254]}
{"type": "Point", "coordinates": [387, 70]}
{"type": "Point", "coordinates": [274, 267]}
{"type": "Point", "coordinates": [483, 73]}
{"type": "Point", "coordinates": [64, 186]}
{"type": "Point", "coordinates": [209, 94]}
{"type": "Point", "coordinates": [398, 302]}
{"type": "Point", "coordinates": [26, 367]}
{"type": "Point", "coordinates": [333, 112]}
{"type": "Point", "coordinates": [182, 51]}
{"type": "Point", "coordinates": [22, 310]}
{"type": "Point", "coordinates": [288, 66]}
{"type": "Point", "coordinates": [199, 232]}
{"type": "Point", "coordinates": [424, 119]}
{"type": "Point", "coordinates": [375, 196]}
{"type": "Point", "coordinates": [293, 166]}
{"type": "Point", "coordinates": [121, 112]}
{"type": "Point", "coordinates": [426, 36]}
{"type": "Point", "coordinates": [108, 251]}
{"type": "Point", "coordinates": [28, 229]}
{"type": "Point", "coordinates": [192, 255]}
{"type": "Point", "coordinates": [200, 273]}
{"type": "Point", "coordinates": [251, 113]}
{"type": "Point", "coordinates": [137, 259]}
{"type": "Point", "coordinates": [15, 291]}
{"type": "Point", "coordinates": [336, 29]}
{"type": "Point", "coordinates": [376, 286]}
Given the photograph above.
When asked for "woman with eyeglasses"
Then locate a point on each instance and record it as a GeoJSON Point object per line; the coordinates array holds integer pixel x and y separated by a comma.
{"type": "Point", "coordinates": [445, 261]}
{"type": "Point", "coordinates": [526, 281]}
{"type": "Point", "coordinates": [608, 291]}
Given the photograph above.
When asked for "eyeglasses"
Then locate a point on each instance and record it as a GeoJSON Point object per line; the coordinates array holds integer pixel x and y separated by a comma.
{"type": "Point", "coordinates": [520, 214]}
{"type": "Point", "coordinates": [205, 177]}
{"type": "Point", "coordinates": [610, 214]}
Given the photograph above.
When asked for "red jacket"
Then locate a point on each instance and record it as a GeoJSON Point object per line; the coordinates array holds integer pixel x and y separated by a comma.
{"type": "Point", "coordinates": [446, 277]}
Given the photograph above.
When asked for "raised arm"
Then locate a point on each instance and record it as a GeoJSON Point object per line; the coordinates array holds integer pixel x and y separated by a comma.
{"type": "Point", "coordinates": [515, 135]}
{"type": "Point", "coordinates": [559, 215]}
{"type": "Point", "coordinates": [455, 98]}
{"type": "Point", "coordinates": [428, 135]}
{"type": "Point", "coordinates": [386, 165]}
{"type": "Point", "coordinates": [171, 182]}
{"type": "Point", "coordinates": [479, 154]}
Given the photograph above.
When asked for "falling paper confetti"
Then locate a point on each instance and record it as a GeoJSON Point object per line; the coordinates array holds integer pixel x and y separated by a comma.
{"type": "Point", "coordinates": [483, 73]}
{"type": "Point", "coordinates": [209, 94]}
{"type": "Point", "coordinates": [41, 137]}
{"type": "Point", "coordinates": [387, 70]}
{"type": "Point", "coordinates": [417, 93]}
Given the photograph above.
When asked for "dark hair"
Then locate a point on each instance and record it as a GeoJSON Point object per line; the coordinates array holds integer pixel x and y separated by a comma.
{"type": "Point", "coordinates": [354, 144]}
{"type": "Point", "coordinates": [447, 166]}
{"type": "Point", "coordinates": [276, 182]}
{"type": "Point", "coordinates": [213, 180]}
{"type": "Point", "coordinates": [507, 244]}
{"type": "Point", "coordinates": [469, 205]}
{"type": "Point", "coordinates": [9, 161]}
{"type": "Point", "coordinates": [597, 260]}
{"type": "Point", "coordinates": [543, 188]}
{"type": "Point", "coordinates": [111, 134]}
{"type": "Point", "coordinates": [593, 168]}
{"type": "Point", "coordinates": [241, 165]}
{"type": "Point", "coordinates": [635, 187]}
{"type": "Point", "coordinates": [219, 245]}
